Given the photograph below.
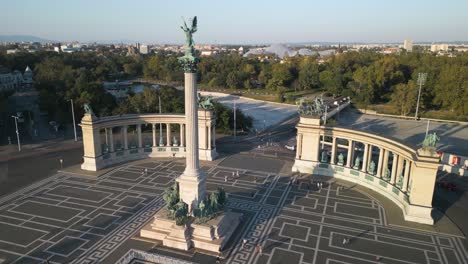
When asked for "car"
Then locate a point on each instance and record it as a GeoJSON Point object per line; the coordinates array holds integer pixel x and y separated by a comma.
{"type": "Point", "coordinates": [290, 147]}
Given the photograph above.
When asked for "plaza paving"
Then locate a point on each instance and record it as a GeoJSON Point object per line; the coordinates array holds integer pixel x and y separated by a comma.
{"type": "Point", "coordinates": [69, 218]}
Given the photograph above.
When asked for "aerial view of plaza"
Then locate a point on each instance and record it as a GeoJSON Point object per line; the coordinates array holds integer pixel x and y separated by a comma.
{"type": "Point", "coordinates": [286, 132]}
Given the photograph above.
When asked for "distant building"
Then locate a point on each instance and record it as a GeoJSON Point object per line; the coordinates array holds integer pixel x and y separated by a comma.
{"type": "Point", "coordinates": [241, 50]}
{"type": "Point", "coordinates": [15, 80]}
{"type": "Point", "coordinates": [12, 51]}
{"type": "Point", "coordinates": [144, 49]}
{"type": "Point", "coordinates": [439, 47]}
{"type": "Point", "coordinates": [408, 45]}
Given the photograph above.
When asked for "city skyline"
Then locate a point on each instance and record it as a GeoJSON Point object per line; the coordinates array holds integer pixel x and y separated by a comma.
{"type": "Point", "coordinates": [239, 23]}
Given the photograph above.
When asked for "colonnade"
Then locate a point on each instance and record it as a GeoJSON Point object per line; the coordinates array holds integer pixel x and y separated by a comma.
{"type": "Point", "coordinates": [116, 139]}
{"type": "Point", "coordinates": [404, 175]}
{"type": "Point", "coordinates": [371, 159]}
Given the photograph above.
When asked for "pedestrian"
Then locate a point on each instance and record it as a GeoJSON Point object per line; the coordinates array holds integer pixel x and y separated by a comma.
{"type": "Point", "coordinates": [378, 258]}
{"type": "Point", "coordinates": [237, 174]}
{"type": "Point", "coordinates": [308, 186]}
{"type": "Point", "coordinates": [255, 179]}
{"type": "Point", "coordinates": [218, 258]}
{"type": "Point", "coordinates": [146, 171]}
{"type": "Point", "coordinates": [233, 174]}
{"type": "Point", "coordinates": [258, 249]}
{"type": "Point", "coordinates": [344, 241]}
{"type": "Point", "coordinates": [225, 178]}
{"type": "Point", "coordinates": [290, 181]}
{"type": "Point", "coordinates": [253, 194]}
{"type": "Point", "coordinates": [244, 243]}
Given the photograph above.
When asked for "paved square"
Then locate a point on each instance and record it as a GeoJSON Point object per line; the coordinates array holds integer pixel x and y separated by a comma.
{"type": "Point", "coordinates": [72, 219]}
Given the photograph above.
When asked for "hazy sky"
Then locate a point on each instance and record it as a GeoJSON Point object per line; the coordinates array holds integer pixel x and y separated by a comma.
{"type": "Point", "coordinates": [239, 21]}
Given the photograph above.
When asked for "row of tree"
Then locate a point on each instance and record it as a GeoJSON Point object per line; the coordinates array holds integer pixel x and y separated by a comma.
{"type": "Point", "coordinates": [368, 77]}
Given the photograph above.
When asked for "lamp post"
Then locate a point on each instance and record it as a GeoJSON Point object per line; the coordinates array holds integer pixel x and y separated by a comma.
{"type": "Point", "coordinates": [73, 116]}
{"type": "Point", "coordinates": [235, 132]}
{"type": "Point", "coordinates": [17, 132]}
{"type": "Point", "coordinates": [421, 81]}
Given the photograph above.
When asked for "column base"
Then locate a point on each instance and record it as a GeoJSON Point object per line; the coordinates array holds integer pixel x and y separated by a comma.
{"type": "Point", "coordinates": [304, 166]}
{"type": "Point", "coordinates": [418, 214]}
{"type": "Point", "coordinates": [192, 188]}
{"type": "Point", "coordinates": [91, 164]}
{"type": "Point", "coordinates": [207, 154]}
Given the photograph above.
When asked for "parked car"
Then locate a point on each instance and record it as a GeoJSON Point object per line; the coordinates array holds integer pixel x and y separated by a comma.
{"type": "Point", "coordinates": [290, 147]}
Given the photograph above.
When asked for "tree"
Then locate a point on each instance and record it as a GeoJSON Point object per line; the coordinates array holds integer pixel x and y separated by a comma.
{"type": "Point", "coordinates": [309, 75]}
{"type": "Point", "coordinates": [404, 97]}
{"type": "Point", "coordinates": [451, 89]}
{"type": "Point", "coordinates": [233, 81]}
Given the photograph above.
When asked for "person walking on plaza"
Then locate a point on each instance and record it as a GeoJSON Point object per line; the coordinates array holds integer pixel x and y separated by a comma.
{"type": "Point", "coordinates": [225, 178]}
{"type": "Point", "coordinates": [258, 249]}
{"type": "Point", "coordinates": [244, 243]}
{"type": "Point", "coordinates": [237, 174]}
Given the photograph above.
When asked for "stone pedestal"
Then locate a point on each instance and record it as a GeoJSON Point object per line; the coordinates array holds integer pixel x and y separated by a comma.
{"type": "Point", "coordinates": [211, 236]}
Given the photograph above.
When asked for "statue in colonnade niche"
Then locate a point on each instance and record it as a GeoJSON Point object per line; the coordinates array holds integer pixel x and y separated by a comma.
{"type": "Point", "coordinates": [399, 183]}
{"type": "Point", "coordinates": [341, 159]}
{"type": "Point", "coordinates": [324, 156]}
{"type": "Point", "coordinates": [387, 174]}
{"type": "Point", "coordinates": [175, 143]}
{"type": "Point", "coordinates": [357, 163]}
{"type": "Point", "coordinates": [161, 142]}
{"type": "Point", "coordinates": [371, 167]}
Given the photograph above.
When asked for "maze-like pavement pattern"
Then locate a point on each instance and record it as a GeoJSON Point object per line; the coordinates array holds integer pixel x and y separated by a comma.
{"type": "Point", "coordinates": [72, 219]}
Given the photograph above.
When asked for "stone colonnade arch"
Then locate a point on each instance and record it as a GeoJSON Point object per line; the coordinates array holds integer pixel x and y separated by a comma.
{"type": "Point", "coordinates": [116, 139]}
{"type": "Point", "coordinates": [400, 173]}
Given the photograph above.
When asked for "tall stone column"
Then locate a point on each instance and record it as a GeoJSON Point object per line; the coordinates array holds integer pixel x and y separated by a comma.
{"type": "Point", "coordinates": [111, 139]}
{"type": "Point", "coordinates": [168, 135]}
{"type": "Point", "coordinates": [192, 182]}
{"type": "Point", "coordinates": [394, 168]}
{"type": "Point", "coordinates": [333, 152]}
{"type": "Point", "coordinates": [349, 158]}
{"type": "Point", "coordinates": [365, 157]}
{"type": "Point", "coordinates": [380, 163]}
{"type": "Point", "coordinates": [385, 161]}
{"type": "Point", "coordinates": [406, 175]}
{"type": "Point", "coordinates": [154, 135]}
{"type": "Point", "coordinates": [208, 130]}
{"type": "Point", "coordinates": [125, 136]}
{"type": "Point", "coordinates": [181, 141]}
{"type": "Point", "coordinates": [213, 136]}
{"type": "Point", "coordinates": [139, 136]}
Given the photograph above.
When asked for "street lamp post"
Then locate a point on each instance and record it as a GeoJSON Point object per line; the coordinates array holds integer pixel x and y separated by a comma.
{"type": "Point", "coordinates": [73, 116]}
{"type": "Point", "coordinates": [421, 81]}
{"type": "Point", "coordinates": [235, 132]}
{"type": "Point", "coordinates": [17, 132]}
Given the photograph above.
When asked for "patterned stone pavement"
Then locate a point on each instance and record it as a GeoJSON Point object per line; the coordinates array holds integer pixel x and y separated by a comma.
{"type": "Point", "coordinates": [74, 219]}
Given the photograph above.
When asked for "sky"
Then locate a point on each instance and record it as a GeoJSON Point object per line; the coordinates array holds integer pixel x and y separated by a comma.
{"type": "Point", "coordinates": [237, 22]}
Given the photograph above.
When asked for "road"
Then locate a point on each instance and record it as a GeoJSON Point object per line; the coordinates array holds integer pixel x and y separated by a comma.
{"type": "Point", "coordinates": [20, 169]}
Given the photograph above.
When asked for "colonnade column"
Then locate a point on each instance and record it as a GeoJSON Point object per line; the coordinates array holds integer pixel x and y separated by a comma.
{"type": "Point", "coordinates": [394, 168]}
{"type": "Point", "coordinates": [365, 157]}
{"type": "Point", "coordinates": [139, 136]}
{"type": "Point", "coordinates": [154, 135]}
{"type": "Point", "coordinates": [349, 158]}
{"type": "Point", "coordinates": [168, 135]}
{"type": "Point", "coordinates": [400, 164]}
{"type": "Point", "coordinates": [214, 135]}
{"type": "Point", "coordinates": [406, 176]}
{"type": "Point", "coordinates": [299, 146]}
{"type": "Point", "coordinates": [208, 130]}
{"type": "Point", "coordinates": [125, 136]}
{"type": "Point", "coordinates": [182, 141]}
{"type": "Point", "coordinates": [333, 152]}
{"type": "Point", "coordinates": [380, 162]}
{"type": "Point", "coordinates": [385, 162]}
{"type": "Point", "coordinates": [111, 140]}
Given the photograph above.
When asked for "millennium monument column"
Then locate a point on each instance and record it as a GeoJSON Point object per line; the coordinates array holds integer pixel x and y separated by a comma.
{"type": "Point", "coordinates": [191, 218]}
{"type": "Point", "coordinates": [192, 181]}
